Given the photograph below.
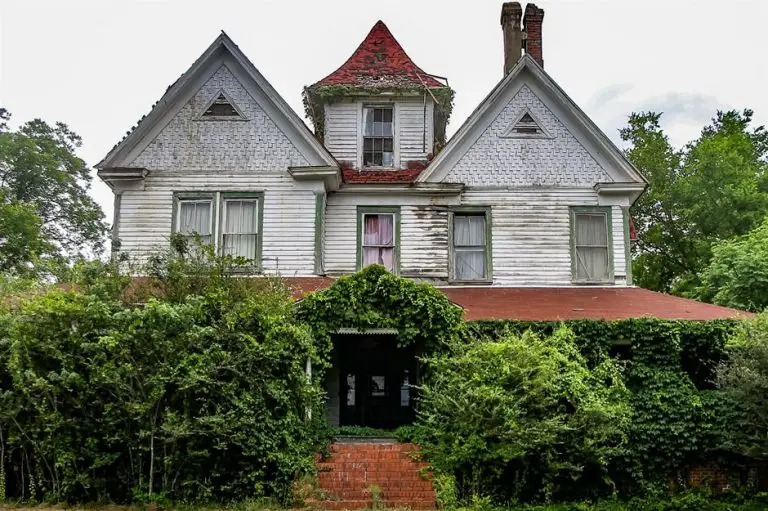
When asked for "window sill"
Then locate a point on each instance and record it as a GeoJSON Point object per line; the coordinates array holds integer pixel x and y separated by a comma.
{"type": "Point", "coordinates": [611, 282]}
{"type": "Point", "coordinates": [379, 169]}
{"type": "Point", "coordinates": [470, 282]}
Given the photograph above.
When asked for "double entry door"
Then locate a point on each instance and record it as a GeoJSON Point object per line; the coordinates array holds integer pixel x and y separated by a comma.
{"type": "Point", "coordinates": [376, 381]}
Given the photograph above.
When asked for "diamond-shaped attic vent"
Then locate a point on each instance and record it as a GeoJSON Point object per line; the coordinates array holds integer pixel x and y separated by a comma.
{"type": "Point", "coordinates": [221, 107]}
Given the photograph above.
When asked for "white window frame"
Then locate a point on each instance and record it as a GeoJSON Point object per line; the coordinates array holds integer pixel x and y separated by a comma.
{"type": "Point", "coordinates": [394, 212]}
{"type": "Point", "coordinates": [225, 199]}
{"type": "Point", "coordinates": [395, 136]}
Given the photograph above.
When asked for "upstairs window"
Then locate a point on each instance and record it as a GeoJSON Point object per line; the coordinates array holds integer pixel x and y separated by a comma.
{"type": "Point", "coordinates": [592, 257]}
{"type": "Point", "coordinates": [471, 247]}
{"type": "Point", "coordinates": [378, 137]}
{"type": "Point", "coordinates": [230, 221]}
{"type": "Point", "coordinates": [240, 228]}
{"type": "Point", "coordinates": [378, 236]}
{"type": "Point", "coordinates": [195, 218]}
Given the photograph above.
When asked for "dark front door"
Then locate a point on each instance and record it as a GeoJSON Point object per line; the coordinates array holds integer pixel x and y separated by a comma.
{"type": "Point", "coordinates": [376, 378]}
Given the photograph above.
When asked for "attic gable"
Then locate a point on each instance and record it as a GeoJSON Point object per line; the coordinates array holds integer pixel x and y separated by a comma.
{"type": "Point", "coordinates": [222, 52]}
{"type": "Point", "coordinates": [532, 88]}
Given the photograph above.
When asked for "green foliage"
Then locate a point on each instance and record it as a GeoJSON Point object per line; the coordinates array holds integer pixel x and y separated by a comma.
{"type": "Point", "coordinates": [743, 378]}
{"type": "Point", "coordinates": [682, 214]}
{"type": "Point", "coordinates": [689, 501]}
{"type": "Point", "coordinates": [737, 275]}
{"type": "Point", "coordinates": [198, 398]}
{"type": "Point", "coordinates": [524, 417]}
{"type": "Point", "coordinates": [40, 176]}
{"type": "Point", "coordinates": [374, 298]}
{"type": "Point", "coordinates": [22, 242]}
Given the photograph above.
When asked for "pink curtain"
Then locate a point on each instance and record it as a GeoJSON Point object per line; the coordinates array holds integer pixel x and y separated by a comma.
{"type": "Point", "coordinates": [378, 241]}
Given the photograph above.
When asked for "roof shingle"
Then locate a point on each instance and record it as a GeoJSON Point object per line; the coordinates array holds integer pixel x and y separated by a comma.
{"type": "Point", "coordinates": [379, 62]}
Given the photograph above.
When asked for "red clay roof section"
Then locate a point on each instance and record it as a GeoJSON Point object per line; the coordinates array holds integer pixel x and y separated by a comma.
{"type": "Point", "coordinates": [379, 61]}
{"type": "Point", "coordinates": [559, 304]}
{"type": "Point", "coordinates": [553, 304]}
{"type": "Point", "coordinates": [380, 176]}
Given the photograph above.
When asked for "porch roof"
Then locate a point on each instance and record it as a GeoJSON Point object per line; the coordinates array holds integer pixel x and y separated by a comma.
{"type": "Point", "coordinates": [557, 304]}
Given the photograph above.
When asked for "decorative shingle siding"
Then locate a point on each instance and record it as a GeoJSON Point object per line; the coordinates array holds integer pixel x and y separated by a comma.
{"type": "Point", "coordinates": [187, 143]}
{"type": "Point", "coordinates": [497, 161]}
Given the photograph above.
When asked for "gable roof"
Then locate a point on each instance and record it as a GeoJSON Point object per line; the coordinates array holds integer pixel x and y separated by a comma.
{"type": "Point", "coordinates": [273, 104]}
{"type": "Point", "coordinates": [495, 102]}
{"type": "Point", "coordinates": [379, 62]}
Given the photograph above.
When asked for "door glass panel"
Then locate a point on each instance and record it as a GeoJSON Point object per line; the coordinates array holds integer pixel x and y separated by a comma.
{"type": "Point", "coordinates": [350, 390]}
{"type": "Point", "coordinates": [405, 390]}
{"type": "Point", "coordinates": [378, 386]}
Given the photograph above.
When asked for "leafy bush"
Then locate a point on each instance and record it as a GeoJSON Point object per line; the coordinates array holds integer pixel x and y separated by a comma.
{"type": "Point", "coordinates": [737, 275]}
{"type": "Point", "coordinates": [744, 381]}
{"type": "Point", "coordinates": [524, 417]}
{"type": "Point", "coordinates": [201, 398]}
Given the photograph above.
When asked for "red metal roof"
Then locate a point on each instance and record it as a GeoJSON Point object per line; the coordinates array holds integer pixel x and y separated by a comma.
{"type": "Point", "coordinates": [557, 304]}
{"type": "Point", "coordinates": [379, 62]}
{"type": "Point", "coordinates": [381, 176]}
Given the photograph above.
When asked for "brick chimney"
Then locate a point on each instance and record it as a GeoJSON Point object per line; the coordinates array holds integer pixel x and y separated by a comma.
{"type": "Point", "coordinates": [511, 12]}
{"type": "Point", "coordinates": [532, 21]}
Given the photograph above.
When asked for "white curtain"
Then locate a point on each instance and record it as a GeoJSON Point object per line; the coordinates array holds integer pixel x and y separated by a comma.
{"type": "Point", "coordinates": [195, 217]}
{"type": "Point", "coordinates": [379, 240]}
{"type": "Point", "coordinates": [591, 247]}
{"type": "Point", "coordinates": [469, 247]}
{"type": "Point", "coordinates": [241, 228]}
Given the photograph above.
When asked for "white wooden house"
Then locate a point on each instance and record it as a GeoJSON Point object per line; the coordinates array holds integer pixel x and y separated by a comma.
{"type": "Point", "coordinates": [523, 213]}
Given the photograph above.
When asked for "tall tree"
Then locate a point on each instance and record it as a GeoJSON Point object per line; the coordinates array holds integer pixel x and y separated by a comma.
{"type": "Point", "coordinates": [714, 188]}
{"type": "Point", "coordinates": [41, 175]}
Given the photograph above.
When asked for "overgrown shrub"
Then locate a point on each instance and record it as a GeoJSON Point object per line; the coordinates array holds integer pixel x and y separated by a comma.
{"type": "Point", "coordinates": [524, 417]}
{"type": "Point", "coordinates": [202, 397]}
{"type": "Point", "coordinates": [743, 379]}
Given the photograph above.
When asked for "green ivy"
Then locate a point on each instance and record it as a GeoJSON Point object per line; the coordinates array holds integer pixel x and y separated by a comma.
{"type": "Point", "coordinates": [374, 298]}
{"type": "Point", "coordinates": [671, 370]}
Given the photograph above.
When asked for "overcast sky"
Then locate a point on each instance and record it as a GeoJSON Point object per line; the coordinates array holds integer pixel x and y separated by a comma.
{"type": "Point", "coordinates": [99, 65]}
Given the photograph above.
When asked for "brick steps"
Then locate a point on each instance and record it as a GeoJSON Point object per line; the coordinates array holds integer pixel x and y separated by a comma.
{"type": "Point", "coordinates": [356, 474]}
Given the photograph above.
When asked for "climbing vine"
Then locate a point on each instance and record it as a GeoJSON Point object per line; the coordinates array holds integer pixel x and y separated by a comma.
{"type": "Point", "coordinates": [374, 298]}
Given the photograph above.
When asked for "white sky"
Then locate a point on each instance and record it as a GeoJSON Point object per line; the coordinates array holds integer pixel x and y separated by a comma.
{"type": "Point", "coordinates": [99, 65]}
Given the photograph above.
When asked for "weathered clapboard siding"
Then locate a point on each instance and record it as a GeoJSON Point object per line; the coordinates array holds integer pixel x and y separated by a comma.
{"type": "Point", "coordinates": [619, 254]}
{"type": "Point", "coordinates": [341, 130]}
{"type": "Point", "coordinates": [288, 225]}
{"type": "Point", "coordinates": [414, 130]}
{"type": "Point", "coordinates": [423, 235]}
{"type": "Point", "coordinates": [530, 229]}
{"type": "Point", "coordinates": [531, 233]}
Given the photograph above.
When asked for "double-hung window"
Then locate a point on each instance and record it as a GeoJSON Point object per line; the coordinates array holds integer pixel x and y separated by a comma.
{"type": "Point", "coordinates": [470, 250]}
{"type": "Point", "coordinates": [229, 221]}
{"type": "Point", "coordinates": [592, 257]}
{"type": "Point", "coordinates": [378, 136]}
{"type": "Point", "coordinates": [240, 227]}
{"type": "Point", "coordinates": [378, 236]}
{"type": "Point", "coordinates": [195, 218]}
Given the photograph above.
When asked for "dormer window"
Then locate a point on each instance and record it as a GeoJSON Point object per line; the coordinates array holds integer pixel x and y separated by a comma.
{"type": "Point", "coordinates": [378, 136]}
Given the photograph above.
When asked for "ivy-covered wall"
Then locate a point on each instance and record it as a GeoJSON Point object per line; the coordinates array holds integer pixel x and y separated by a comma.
{"type": "Point", "coordinates": [678, 417]}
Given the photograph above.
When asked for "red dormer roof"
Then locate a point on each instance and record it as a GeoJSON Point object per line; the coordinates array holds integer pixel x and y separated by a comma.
{"type": "Point", "coordinates": [379, 61]}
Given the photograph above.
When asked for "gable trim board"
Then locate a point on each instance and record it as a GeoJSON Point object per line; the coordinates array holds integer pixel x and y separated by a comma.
{"type": "Point", "coordinates": [528, 72]}
{"type": "Point", "coordinates": [222, 52]}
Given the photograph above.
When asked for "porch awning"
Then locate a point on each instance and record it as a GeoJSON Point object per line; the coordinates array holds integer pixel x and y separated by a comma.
{"type": "Point", "coordinates": [557, 304]}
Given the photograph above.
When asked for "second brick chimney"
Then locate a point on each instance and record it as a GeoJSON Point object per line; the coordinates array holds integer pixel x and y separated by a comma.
{"type": "Point", "coordinates": [532, 21]}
